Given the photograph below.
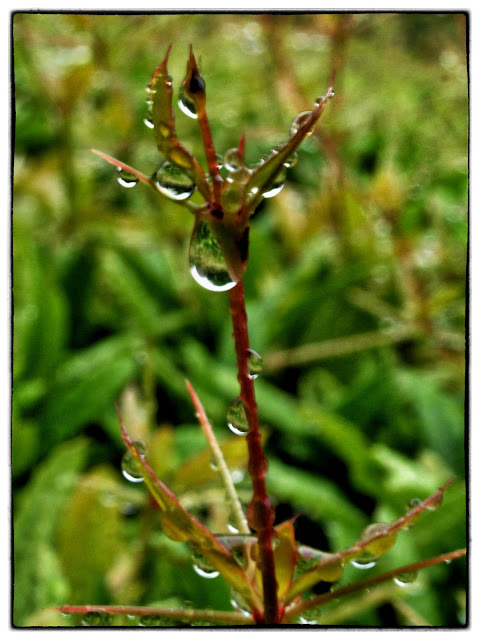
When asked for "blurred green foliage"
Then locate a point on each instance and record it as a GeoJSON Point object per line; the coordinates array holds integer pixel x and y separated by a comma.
{"type": "Point", "coordinates": [356, 301]}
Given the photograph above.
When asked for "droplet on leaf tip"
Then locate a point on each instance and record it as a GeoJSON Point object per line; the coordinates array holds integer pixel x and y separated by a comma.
{"type": "Point", "coordinates": [299, 121]}
{"type": "Point", "coordinates": [126, 179]}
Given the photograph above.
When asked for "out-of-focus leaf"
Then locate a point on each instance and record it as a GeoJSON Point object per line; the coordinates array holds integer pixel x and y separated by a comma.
{"type": "Point", "coordinates": [86, 385]}
{"type": "Point", "coordinates": [36, 520]}
{"type": "Point", "coordinates": [286, 556]}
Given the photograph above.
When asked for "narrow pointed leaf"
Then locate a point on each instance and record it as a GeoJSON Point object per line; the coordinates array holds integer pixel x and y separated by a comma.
{"type": "Point", "coordinates": [163, 120]}
{"type": "Point", "coordinates": [264, 176]}
{"type": "Point", "coordinates": [376, 543]}
{"type": "Point", "coordinates": [180, 525]}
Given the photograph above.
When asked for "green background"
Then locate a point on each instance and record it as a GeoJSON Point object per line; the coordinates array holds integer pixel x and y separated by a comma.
{"type": "Point", "coordinates": [355, 295]}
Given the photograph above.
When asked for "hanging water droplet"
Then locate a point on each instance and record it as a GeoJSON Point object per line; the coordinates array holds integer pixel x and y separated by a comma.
{"type": "Point", "coordinates": [330, 94]}
{"type": "Point", "coordinates": [213, 463]}
{"type": "Point", "coordinates": [186, 104]}
{"type": "Point", "coordinates": [237, 418]}
{"type": "Point", "coordinates": [291, 161]}
{"type": "Point", "coordinates": [203, 568]}
{"type": "Point", "coordinates": [277, 184]}
{"type": "Point", "coordinates": [299, 122]}
{"type": "Point", "coordinates": [405, 578]}
{"type": "Point", "coordinates": [126, 179]}
{"type": "Point", "coordinates": [304, 620]}
{"type": "Point", "coordinates": [255, 364]}
{"type": "Point", "coordinates": [238, 602]}
{"type": "Point", "coordinates": [436, 503]}
{"type": "Point", "coordinates": [148, 122]}
{"type": "Point", "coordinates": [96, 619]}
{"type": "Point", "coordinates": [365, 561]}
{"type": "Point", "coordinates": [131, 467]}
{"type": "Point", "coordinates": [173, 182]}
{"type": "Point", "coordinates": [207, 264]}
{"type": "Point", "coordinates": [233, 160]}
{"type": "Point", "coordinates": [411, 504]}
{"type": "Point", "coordinates": [240, 176]}
{"type": "Point", "coordinates": [232, 528]}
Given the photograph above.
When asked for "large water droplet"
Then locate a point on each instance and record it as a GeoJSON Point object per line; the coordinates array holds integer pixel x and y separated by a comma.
{"type": "Point", "coordinates": [126, 179]}
{"type": "Point", "coordinates": [405, 578]}
{"type": "Point", "coordinates": [96, 619]}
{"type": "Point", "coordinates": [277, 184]}
{"type": "Point", "coordinates": [173, 182]}
{"type": "Point", "coordinates": [255, 364]}
{"type": "Point", "coordinates": [186, 104]}
{"type": "Point", "coordinates": [237, 418]}
{"type": "Point", "coordinates": [131, 468]}
{"type": "Point", "coordinates": [207, 264]}
{"type": "Point", "coordinates": [299, 122]}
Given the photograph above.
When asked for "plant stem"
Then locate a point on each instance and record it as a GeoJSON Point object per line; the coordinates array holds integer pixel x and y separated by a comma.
{"type": "Point", "coordinates": [261, 513]}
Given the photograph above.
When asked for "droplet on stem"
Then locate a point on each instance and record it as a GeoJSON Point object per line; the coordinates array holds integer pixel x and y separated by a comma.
{"type": "Point", "coordinates": [233, 160]}
{"type": "Point", "coordinates": [207, 264]}
{"type": "Point", "coordinates": [405, 578]}
{"type": "Point", "coordinates": [255, 364]}
{"type": "Point", "coordinates": [277, 184]}
{"type": "Point", "coordinates": [237, 418]}
{"type": "Point", "coordinates": [96, 619]}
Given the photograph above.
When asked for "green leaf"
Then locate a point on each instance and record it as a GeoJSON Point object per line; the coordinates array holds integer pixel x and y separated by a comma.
{"type": "Point", "coordinates": [37, 515]}
{"type": "Point", "coordinates": [87, 385]}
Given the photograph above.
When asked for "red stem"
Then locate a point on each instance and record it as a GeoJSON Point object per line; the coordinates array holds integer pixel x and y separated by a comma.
{"type": "Point", "coordinates": [261, 513]}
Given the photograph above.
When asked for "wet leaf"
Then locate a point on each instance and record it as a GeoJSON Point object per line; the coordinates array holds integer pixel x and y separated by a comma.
{"type": "Point", "coordinates": [180, 525]}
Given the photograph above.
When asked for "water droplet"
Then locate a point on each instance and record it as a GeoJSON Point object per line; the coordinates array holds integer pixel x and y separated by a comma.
{"type": "Point", "coordinates": [406, 578]}
{"type": "Point", "coordinates": [203, 568]}
{"type": "Point", "coordinates": [436, 503]}
{"type": "Point", "coordinates": [232, 528]}
{"type": "Point", "coordinates": [240, 176]}
{"type": "Point", "coordinates": [238, 602]}
{"type": "Point", "coordinates": [291, 161]}
{"type": "Point", "coordinates": [299, 122]}
{"type": "Point", "coordinates": [173, 182]}
{"type": "Point", "coordinates": [131, 468]}
{"type": "Point", "coordinates": [96, 619]}
{"type": "Point", "coordinates": [126, 179]}
{"type": "Point", "coordinates": [150, 621]}
{"type": "Point", "coordinates": [237, 418]}
{"type": "Point", "coordinates": [255, 364]}
{"type": "Point", "coordinates": [233, 160]}
{"type": "Point", "coordinates": [207, 264]}
{"type": "Point", "coordinates": [277, 184]}
{"type": "Point", "coordinates": [365, 561]}
{"type": "Point", "coordinates": [304, 620]}
{"type": "Point", "coordinates": [237, 476]}
{"type": "Point", "coordinates": [411, 504]}
{"type": "Point", "coordinates": [220, 162]}
{"type": "Point", "coordinates": [330, 94]}
{"type": "Point", "coordinates": [213, 463]}
{"type": "Point", "coordinates": [186, 104]}
{"type": "Point", "coordinates": [148, 122]}
{"type": "Point", "coordinates": [379, 545]}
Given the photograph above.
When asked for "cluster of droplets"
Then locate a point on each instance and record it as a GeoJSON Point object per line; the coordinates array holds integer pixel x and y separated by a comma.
{"type": "Point", "coordinates": [131, 467]}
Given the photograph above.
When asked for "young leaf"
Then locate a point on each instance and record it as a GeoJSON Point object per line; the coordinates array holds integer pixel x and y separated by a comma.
{"type": "Point", "coordinates": [180, 525]}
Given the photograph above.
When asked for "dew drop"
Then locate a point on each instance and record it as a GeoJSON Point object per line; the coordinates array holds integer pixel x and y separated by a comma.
{"type": "Point", "coordinates": [436, 503]}
{"type": "Point", "coordinates": [255, 364]}
{"type": "Point", "coordinates": [330, 94]}
{"type": "Point", "coordinates": [203, 568]}
{"type": "Point", "coordinates": [233, 160]}
{"type": "Point", "coordinates": [148, 122]}
{"type": "Point", "coordinates": [150, 621]}
{"type": "Point", "coordinates": [365, 561]}
{"type": "Point", "coordinates": [126, 179]}
{"type": "Point", "coordinates": [277, 184]}
{"type": "Point", "coordinates": [411, 504]}
{"type": "Point", "coordinates": [238, 602]}
{"type": "Point", "coordinates": [173, 182]}
{"type": "Point", "coordinates": [237, 418]}
{"type": "Point", "coordinates": [291, 161]}
{"type": "Point", "coordinates": [96, 619]}
{"type": "Point", "coordinates": [131, 468]}
{"type": "Point", "coordinates": [299, 122]}
{"type": "Point", "coordinates": [207, 264]}
{"type": "Point", "coordinates": [406, 578]}
{"type": "Point", "coordinates": [186, 104]}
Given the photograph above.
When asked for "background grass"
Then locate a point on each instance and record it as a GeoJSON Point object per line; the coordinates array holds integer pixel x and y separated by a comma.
{"type": "Point", "coordinates": [356, 301]}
